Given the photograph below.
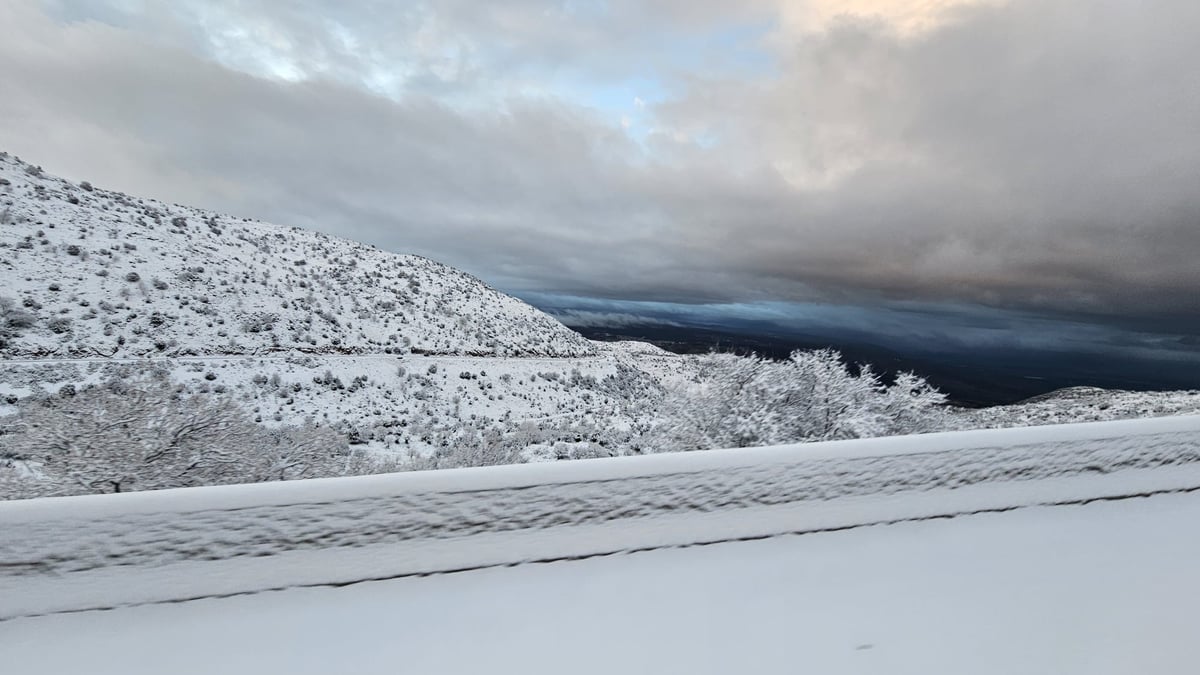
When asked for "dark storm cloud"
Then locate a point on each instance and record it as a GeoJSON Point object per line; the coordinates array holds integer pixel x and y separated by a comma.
{"type": "Point", "coordinates": [1025, 155]}
{"type": "Point", "coordinates": [1037, 154]}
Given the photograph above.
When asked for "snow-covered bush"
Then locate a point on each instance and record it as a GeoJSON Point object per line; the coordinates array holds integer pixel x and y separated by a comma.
{"type": "Point", "coordinates": [145, 434]}
{"type": "Point", "coordinates": [739, 401]}
{"type": "Point", "coordinates": [59, 325]}
{"type": "Point", "coordinates": [306, 451]}
{"type": "Point", "coordinates": [138, 436]}
{"type": "Point", "coordinates": [13, 320]}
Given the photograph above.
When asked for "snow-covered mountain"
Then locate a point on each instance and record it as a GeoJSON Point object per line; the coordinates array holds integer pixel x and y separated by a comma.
{"type": "Point", "coordinates": [92, 272]}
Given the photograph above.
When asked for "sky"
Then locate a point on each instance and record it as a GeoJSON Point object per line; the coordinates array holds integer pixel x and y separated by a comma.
{"type": "Point", "coordinates": [1030, 165]}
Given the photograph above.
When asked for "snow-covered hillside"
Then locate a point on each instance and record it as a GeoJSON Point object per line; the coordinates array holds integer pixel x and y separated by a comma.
{"type": "Point", "coordinates": [90, 272]}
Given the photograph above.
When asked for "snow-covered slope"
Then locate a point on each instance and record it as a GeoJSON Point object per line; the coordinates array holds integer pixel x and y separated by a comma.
{"type": "Point", "coordinates": [104, 273]}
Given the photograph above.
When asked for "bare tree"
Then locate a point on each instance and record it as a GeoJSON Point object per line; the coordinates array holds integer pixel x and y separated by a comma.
{"type": "Point", "coordinates": [292, 453]}
{"type": "Point", "coordinates": [141, 435]}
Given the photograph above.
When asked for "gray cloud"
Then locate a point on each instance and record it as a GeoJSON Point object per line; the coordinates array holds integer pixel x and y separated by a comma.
{"type": "Point", "coordinates": [1037, 155]}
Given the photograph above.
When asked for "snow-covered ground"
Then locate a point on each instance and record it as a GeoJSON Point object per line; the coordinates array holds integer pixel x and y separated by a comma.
{"type": "Point", "coordinates": [398, 404]}
{"type": "Point", "coordinates": [1102, 589]}
{"type": "Point", "coordinates": [1055, 549]}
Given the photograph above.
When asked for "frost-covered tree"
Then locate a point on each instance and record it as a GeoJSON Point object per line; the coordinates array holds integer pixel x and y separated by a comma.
{"type": "Point", "coordinates": [140, 435]}
{"type": "Point", "coordinates": [735, 401]}
{"type": "Point", "coordinates": [813, 396]}
{"type": "Point", "coordinates": [716, 408]}
{"type": "Point", "coordinates": [16, 483]}
{"type": "Point", "coordinates": [913, 406]}
{"type": "Point", "coordinates": [292, 453]}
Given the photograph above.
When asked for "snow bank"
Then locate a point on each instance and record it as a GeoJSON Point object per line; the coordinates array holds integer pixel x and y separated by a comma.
{"type": "Point", "coordinates": [1102, 589]}
{"type": "Point", "coordinates": [73, 553]}
{"type": "Point", "coordinates": [1182, 434]}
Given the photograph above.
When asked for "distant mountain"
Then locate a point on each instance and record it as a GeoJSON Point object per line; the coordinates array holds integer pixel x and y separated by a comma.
{"type": "Point", "coordinates": [1080, 404]}
{"type": "Point", "coordinates": [89, 272]}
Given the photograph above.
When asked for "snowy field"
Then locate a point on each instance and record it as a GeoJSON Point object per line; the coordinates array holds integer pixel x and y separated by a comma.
{"type": "Point", "coordinates": [1060, 549]}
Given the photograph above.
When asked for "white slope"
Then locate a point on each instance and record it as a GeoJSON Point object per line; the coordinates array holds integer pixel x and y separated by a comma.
{"type": "Point", "coordinates": [107, 274]}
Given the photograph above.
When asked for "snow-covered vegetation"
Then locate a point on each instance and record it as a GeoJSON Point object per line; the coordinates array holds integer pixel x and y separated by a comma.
{"type": "Point", "coordinates": [112, 426]}
{"type": "Point", "coordinates": [145, 434]}
{"type": "Point", "coordinates": [741, 401]}
{"type": "Point", "coordinates": [149, 345]}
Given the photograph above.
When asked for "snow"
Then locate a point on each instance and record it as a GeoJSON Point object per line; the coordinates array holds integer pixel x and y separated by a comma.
{"type": "Point", "coordinates": [1103, 588]}
{"type": "Point", "coordinates": [107, 274]}
{"type": "Point", "coordinates": [1080, 404]}
{"type": "Point", "coordinates": [1055, 549]}
{"type": "Point", "coordinates": [78, 553]}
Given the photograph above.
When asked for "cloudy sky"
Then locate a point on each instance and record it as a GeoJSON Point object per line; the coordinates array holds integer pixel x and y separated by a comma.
{"type": "Point", "coordinates": [1032, 160]}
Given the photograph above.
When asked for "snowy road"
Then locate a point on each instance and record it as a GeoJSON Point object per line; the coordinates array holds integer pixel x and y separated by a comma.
{"type": "Point", "coordinates": [81, 553]}
{"type": "Point", "coordinates": [1106, 588]}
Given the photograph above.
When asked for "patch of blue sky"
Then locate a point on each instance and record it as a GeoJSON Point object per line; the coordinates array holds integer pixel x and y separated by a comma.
{"type": "Point", "coordinates": [733, 50]}
{"type": "Point", "coordinates": [739, 48]}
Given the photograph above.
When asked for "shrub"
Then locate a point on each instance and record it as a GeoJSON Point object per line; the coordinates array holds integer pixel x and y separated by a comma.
{"type": "Point", "coordinates": [13, 320]}
{"type": "Point", "coordinates": [59, 325]}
